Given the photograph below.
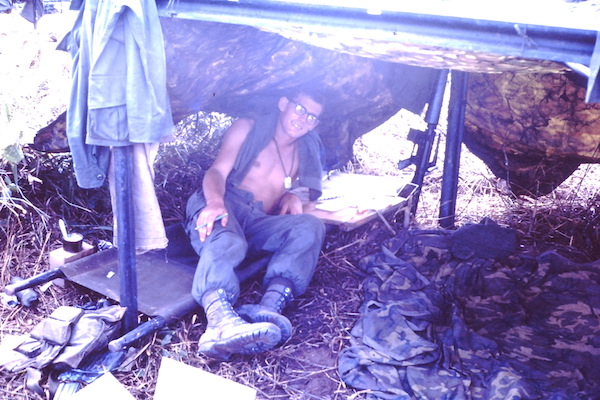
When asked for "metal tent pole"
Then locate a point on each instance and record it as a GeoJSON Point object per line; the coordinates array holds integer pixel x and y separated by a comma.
{"type": "Point", "coordinates": [125, 235]}
{"type": "Point", "coordinates": [454, 138]}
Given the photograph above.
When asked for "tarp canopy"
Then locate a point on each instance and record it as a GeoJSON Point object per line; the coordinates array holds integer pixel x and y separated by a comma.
{"type": "Point", "coordinates": [466, 35]}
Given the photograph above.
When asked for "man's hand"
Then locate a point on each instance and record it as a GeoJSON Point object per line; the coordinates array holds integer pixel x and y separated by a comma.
{"type": "Point", "coordinates": [207, 219]}
{"type": "Point", "coordinates": [290, 204]}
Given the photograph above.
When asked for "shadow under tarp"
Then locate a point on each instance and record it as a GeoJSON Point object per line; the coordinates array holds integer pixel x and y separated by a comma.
{"type": "Point", "coordinates": [440, 322]}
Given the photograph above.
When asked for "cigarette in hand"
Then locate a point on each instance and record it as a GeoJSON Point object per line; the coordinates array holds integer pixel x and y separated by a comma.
{"type": "Point", "coordinates": [220, 217]}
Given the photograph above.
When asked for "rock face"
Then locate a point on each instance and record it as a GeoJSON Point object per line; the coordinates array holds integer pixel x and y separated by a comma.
{"type": "Point", "coordinates": [532, 129]}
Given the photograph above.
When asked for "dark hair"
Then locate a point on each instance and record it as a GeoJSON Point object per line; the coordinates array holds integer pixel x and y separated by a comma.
{"type": "Point", "coordinates": [320, 94]}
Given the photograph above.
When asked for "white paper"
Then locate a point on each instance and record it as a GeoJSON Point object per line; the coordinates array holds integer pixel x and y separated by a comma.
{"type": "Point", "coordinates": [177, 380]}
{"type": "Point", "coordinates": [103, 388]}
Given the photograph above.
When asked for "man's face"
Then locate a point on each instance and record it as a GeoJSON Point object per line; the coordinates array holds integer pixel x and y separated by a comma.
{"type": "Point", "coordinates": [299, 115]}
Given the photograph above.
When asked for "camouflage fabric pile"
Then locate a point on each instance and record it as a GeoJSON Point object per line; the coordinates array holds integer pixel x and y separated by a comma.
{"type": "Point", "coordinates": [462, 315]}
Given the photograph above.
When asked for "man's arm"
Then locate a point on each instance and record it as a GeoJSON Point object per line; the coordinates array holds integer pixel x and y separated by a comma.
{"type": "Point", "coordinates": [213, 184]}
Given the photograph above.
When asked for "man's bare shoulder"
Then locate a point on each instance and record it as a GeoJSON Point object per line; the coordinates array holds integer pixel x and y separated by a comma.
{"type": "Point", "coordinates": [241, 127]}
{"type": "Point", "coordinates": [232, 142]}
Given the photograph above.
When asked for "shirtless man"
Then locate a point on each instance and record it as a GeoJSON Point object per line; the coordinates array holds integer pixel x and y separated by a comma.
{"type": "Point", "coordinates": [245, 212]}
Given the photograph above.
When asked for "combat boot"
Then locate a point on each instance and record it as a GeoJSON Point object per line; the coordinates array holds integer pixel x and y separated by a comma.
{"type": "Point", "coordinates": [277, 296]}
{"type": "Point", "coordinates": [228, 334]}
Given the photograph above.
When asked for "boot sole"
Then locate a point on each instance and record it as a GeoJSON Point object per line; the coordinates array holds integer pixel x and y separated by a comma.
{"type": "Point", "coordinates": [262, 337]}
{"type": "Point", "coordinates": [255, 314]}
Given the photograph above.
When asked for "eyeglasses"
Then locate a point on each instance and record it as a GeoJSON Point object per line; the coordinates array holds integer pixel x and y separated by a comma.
{"type": "Point", "coordinates": [312, 119]}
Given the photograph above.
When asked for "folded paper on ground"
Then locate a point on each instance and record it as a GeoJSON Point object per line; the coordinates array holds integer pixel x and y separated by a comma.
{"type": "Point", "coordinates": [177, 380]}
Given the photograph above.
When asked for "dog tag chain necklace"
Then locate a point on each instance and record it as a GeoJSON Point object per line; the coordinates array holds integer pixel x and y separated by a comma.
{"type": "Point", "coordinates": [287, 181]}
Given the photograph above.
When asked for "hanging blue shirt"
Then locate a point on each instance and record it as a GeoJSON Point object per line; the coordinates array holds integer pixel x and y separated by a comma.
{"type": "Point", "coordinates": [119, 93]}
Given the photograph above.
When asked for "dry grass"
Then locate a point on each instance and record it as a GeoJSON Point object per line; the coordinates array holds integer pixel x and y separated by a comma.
{"type": "Point", "coordinates": [306, 367]}
{"type": "Point", "coordinates": [564, 220]}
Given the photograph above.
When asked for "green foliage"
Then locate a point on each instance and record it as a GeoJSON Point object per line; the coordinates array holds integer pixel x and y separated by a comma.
{"type": "Point", "coordinates": [10, 154]}
{"type": "Point", "coordinates": [181, 163]}
{"type": "Point", "coordinates": [12, 199]}
{"type": "Point", "coordinates": [10, 151]}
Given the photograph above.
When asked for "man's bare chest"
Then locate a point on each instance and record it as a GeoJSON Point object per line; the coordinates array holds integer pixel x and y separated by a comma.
{"type": "Point", "coordinates": [275, 162]}
{"type": "Point", "coordinates": [270, 175]}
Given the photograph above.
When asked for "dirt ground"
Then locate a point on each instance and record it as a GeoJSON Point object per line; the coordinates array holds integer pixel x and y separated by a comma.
{"type": "Point", "coordinates": [35, 88]}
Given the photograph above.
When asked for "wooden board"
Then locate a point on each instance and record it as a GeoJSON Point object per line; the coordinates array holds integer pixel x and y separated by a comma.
{"type": "Point", "coordinates": [351, 200]}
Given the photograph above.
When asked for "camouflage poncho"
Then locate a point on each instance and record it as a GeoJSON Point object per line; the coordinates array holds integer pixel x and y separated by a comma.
{"type": "Point", "coordinates": [442, 320]}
